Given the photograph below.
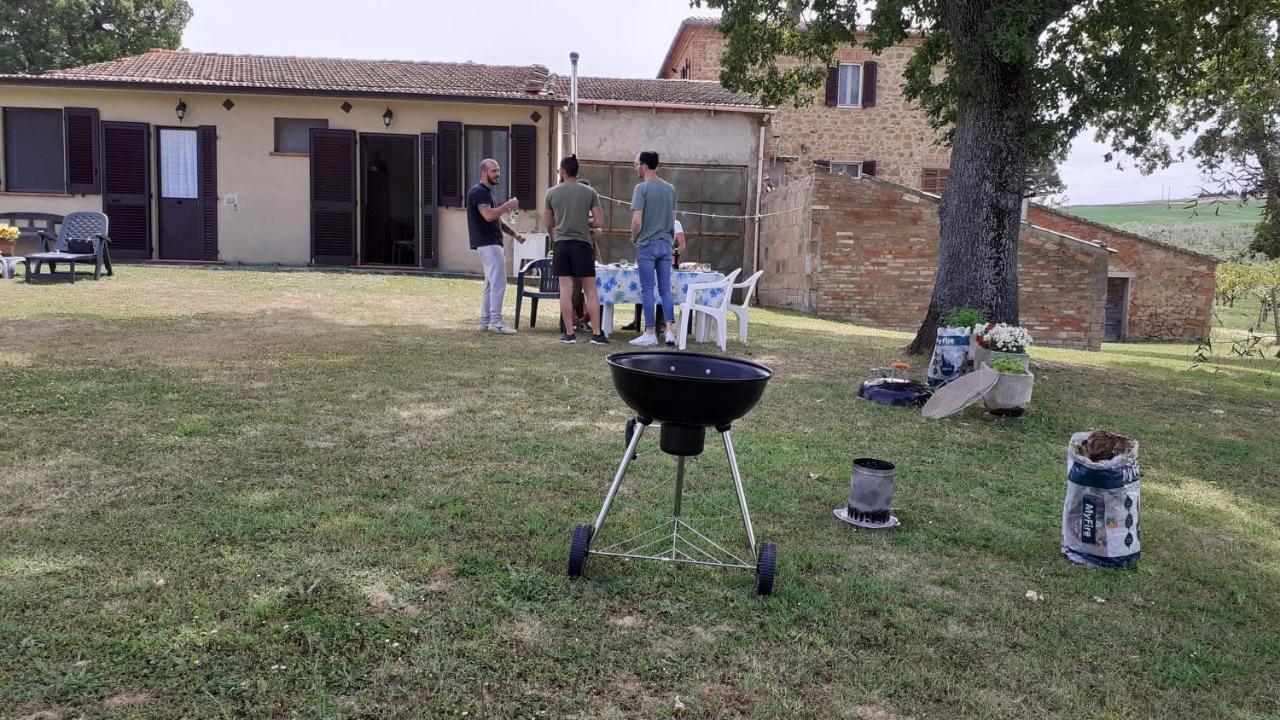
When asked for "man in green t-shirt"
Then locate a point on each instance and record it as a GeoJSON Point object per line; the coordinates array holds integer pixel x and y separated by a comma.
{"type": "Point", "coordinates": [572, 210]}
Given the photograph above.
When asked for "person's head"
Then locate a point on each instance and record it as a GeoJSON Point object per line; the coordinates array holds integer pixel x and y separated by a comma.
{"type": "Point", "coordinates": [490, 173]}
{"type": "Point", "coordinates": [569, 169]}
{"type": "Point", "coordinates": [647, 160]}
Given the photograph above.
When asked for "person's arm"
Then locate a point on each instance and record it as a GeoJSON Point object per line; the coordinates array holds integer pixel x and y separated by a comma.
{"type": "Point", "coordinates": [597, 220]}
{"type": "Point", "coordinates": [549, 221]}
{"type": "Point", "coordinates": [637, 212]}
{"type": "Point", "coordinates": [490, 213]}
{"type": "Point", "coordinates": [507, 229]}
{"type": "Point", "coordinates": [680, 242]}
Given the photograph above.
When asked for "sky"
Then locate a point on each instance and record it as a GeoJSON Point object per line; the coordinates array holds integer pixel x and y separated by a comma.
{"type": "Point", "coordinates": [613, 37]}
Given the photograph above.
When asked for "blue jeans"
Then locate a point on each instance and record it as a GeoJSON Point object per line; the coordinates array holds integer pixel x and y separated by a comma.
{"type": "Point", "coordinates": [653, 263]}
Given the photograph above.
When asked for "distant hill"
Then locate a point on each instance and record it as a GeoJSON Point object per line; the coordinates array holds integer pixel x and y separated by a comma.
{"type": "Point", "coordinates": [1222, 227]}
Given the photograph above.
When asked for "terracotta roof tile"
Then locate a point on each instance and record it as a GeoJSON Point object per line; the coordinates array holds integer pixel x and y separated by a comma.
{"type": "Point", "coordinates": [643, 91]}
{"type": "Point", "coordinates": [169, 67]}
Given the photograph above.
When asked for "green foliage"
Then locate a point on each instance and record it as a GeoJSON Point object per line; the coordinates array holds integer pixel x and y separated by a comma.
{"type": "Point", "coordinates": [1114, 65]}
{"type": "Point", "coordinates": [963, 317]}
{"type": "Point", "coordinates": [41, 35]}
{"type": "Point", "coordinates": [1009, 366]}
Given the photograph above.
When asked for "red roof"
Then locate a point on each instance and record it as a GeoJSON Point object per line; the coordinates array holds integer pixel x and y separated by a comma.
{"type": "Point", "coordinates": [333, 76]}
{"type": "Point", "coordinates": [313, 75]}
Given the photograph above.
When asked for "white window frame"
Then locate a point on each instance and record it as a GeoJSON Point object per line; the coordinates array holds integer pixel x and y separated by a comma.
{"type": "Point", "coordinates": [844, 167]}
{"type": "Point", "coordinates": [840, 85]}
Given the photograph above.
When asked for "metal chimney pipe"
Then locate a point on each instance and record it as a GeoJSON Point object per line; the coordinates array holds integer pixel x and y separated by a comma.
{"type": "Point", "coordinates": [573, 102]}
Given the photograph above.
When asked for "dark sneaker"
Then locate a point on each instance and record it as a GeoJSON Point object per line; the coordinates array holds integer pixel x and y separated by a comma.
{"type": "Point", "coordinates": [568, 339]}
{"type": "Point", "coordinates": [600, 339]}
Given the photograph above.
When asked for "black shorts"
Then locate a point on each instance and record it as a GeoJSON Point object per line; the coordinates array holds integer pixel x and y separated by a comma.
{"type": "Point", "coordinates": [575, 259]}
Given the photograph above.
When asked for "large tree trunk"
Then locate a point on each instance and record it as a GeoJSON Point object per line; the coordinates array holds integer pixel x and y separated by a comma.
{"type": "Point", "coordinates": [981, 208]}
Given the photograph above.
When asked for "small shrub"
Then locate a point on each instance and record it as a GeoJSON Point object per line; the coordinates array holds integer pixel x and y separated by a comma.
{"type": "Point", "coordinates": [1008, 366]}
{"type": "Point", "coordinates": [963, 317]}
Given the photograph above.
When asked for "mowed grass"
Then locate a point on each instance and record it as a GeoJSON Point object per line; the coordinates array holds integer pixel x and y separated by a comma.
{"type": "Point", "coordinates": [1179, 212]}
{"type": "Point", "coordinates": [261, 495]}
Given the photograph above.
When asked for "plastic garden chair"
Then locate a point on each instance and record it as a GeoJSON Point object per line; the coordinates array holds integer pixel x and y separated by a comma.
{"type": "Point", "coordinates": [740, 311]}
{"type": "Point", "coordinates": [709, 299]}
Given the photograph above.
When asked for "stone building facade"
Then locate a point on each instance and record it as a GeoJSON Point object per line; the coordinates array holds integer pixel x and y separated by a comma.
{"type": "Point", "coordinates": [866, 250]}
{"type": "Point", "coordinates": [882, 133]}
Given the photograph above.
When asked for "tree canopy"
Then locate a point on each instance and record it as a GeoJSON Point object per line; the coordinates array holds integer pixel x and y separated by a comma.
{"type": "Point", "coordinates": [1009, 83]}
{"type": "Point", "coordinates": [41, 35]}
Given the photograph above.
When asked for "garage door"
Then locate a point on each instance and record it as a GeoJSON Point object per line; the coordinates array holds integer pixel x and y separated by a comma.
{"type": "Point", "coordinates": [707, 190]}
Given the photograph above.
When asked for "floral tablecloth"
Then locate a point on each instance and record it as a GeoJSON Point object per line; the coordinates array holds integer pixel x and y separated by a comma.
{"type": "Point", "coordinates": [621, 285]}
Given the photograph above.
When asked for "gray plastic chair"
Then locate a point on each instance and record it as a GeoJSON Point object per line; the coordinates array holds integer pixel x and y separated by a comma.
{"type": "Point", "coordinates": [81, 238]}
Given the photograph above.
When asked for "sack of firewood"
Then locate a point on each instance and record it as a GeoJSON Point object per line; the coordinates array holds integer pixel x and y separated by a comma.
{"type": "Point", "coordinates": [1100, 524]}
{"type": "Point", "coordinates": [950, 353]}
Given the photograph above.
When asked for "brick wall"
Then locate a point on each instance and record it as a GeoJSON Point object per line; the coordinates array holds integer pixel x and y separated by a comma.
{"type": "Point", "coordinates": [1170, 291]}
{"type": "Point", "coordinates": [893, 133]}
{"type": "Point", "coordinates": [873, 249]}
{"type": "Point", "coordinates": [785, 249]}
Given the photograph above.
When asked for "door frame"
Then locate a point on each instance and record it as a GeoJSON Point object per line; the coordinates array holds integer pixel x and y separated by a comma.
{"type": "Point", "coordinates": [159, 185]}
{"type": "Point", "coordinates": [362, 192]}
{"type": "Point", "coordinates": [1124, 307]}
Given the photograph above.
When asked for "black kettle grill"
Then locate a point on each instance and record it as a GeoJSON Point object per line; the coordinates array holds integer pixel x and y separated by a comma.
{"type": "Point", "coordinates": [685, 393]}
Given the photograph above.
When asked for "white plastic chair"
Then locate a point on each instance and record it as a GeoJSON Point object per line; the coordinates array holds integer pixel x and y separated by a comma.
{"type": "Point", "coordinates": [717, 310]}
{"type": "Point", "coordinates": [534, 247]}
{"type": "Point", "coordinates": [740, 311]}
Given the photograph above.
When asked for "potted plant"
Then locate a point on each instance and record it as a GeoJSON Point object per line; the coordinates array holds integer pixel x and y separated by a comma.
{"type": "Point", "coordinates": [8, 237]}
{"type": "Point", "coordinates": [1002, 340]}
{"type": "Point", "coordinates": [1012, 392]}
{"type": "Point", "coordinates": [952, 350]}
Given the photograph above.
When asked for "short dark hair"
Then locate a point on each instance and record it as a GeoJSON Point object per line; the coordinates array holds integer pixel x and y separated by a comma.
{"type": "Point", "coordinates": [570, 166]}
{"type": "Point", "coordinates": [649, 158]}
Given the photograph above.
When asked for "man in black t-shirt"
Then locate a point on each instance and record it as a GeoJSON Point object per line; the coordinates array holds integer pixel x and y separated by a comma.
{"type": "Point", "coordinates": [485, 226]}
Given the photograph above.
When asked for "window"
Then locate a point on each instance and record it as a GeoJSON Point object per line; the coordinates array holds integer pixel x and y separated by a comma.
{"type": "Point", "coordinates": [850, 89]}
{"type": "Point", "coordinates": [488, 142]}
{"type": "Point", "coordinates": [34, 153]}
{"type": "Point", "coordinates": [934, 180]}
{"type": "Point", "coordinates": [850, 169]}
{"type": "Point", "coordinates": [293, 135]}
{"type": "Point", "coordinates": [684, 71]}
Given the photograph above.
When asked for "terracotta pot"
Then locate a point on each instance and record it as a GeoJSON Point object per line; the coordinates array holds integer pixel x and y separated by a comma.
{"type": "Point", "coordinates": [6, 247]}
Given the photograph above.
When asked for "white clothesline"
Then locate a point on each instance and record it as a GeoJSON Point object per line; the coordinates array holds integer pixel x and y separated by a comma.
{"type": "Point", "coordinates": [709, 214]}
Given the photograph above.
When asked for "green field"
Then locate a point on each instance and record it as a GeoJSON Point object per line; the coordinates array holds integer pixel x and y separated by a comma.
{"type": "Point", "coordinates": [1207, 213]}
{"type": "Point", "coordinates": [230, 494]}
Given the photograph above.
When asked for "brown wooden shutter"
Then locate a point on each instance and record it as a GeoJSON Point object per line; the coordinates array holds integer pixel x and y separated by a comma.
{"type": "Point", "coordinates": [208, 165]}
{"type": "Point", "coordinates": [870, 69]}
{"type": "Point", "coordinates": [126, 187]}
{"type": "Point", "coordinates": [869, 167]}
{"type": "Point", "coordinates": [333, 197]}
{"type": "Point", "coordinates": [934, 180]}
{"type": "Point", "coordinates": [833, 86]}
{"type": "Point", "coordinates": [449, 164]}
{"type": "Point", "coordinates": [430, 201]}
{"type": "Point", "coordinates": [524, 166]}
{"type": "Point", "coordinates": [84, 161]}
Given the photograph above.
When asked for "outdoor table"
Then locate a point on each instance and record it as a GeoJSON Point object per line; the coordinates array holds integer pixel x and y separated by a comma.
{"type": "Point", "coordinates": [620, 285]}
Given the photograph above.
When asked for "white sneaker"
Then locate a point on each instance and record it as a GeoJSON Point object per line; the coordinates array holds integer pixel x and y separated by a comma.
{"type": "Point", "coordinates": [646, 340]}
{"type": "Point", "coordinates": [501, 329]}
{"type": "Point", "coordinates": [670, 337]}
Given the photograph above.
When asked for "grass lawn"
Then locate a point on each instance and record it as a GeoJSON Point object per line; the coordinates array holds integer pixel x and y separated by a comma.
{"type": "Point", "coordinates": [261, 495]}
{"type": "Point", "coordinates": [1230, 213]}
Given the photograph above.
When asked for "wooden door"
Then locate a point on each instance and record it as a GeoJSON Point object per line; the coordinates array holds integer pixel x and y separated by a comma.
{"type": "Point", "coordinates": [1117, 294]}
{"type": "Point", "coordinates": [126, 188]}
{"type": "Point", "coordinates": [333, 197]}
{"type": "Point", "coordinates": [430, 200]}
{"type": "Point", "coordinates": [181, 215]}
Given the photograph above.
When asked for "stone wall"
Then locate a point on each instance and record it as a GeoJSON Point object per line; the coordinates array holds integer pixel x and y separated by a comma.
{"type": "Point", "coordinates": [786, 254]}
{"type": "Point", "coordinates": [1170, 289]}
{"type": "Point", "coordinates": [873, 248]}
{"type": "Point", "coordinates": [893, 133]}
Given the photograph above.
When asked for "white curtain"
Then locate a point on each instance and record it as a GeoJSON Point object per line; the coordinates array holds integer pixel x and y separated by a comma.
{"type": "Point", "coordinates": [178, 177]}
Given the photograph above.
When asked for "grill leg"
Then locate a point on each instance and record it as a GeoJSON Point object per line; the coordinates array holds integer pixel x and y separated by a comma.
{"type": "Point", "coordinates": [679, 487]}
{"type": "Point", "coordinates": [617, 479]}
{"type": "Point", "coordinates": [742, 496]}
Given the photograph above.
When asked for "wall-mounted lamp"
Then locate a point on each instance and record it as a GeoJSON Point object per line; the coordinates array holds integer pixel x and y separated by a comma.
{"type": "Point", "coordinates": [181, 110]}
{"type": "Point", "coordinates": [387, 117]}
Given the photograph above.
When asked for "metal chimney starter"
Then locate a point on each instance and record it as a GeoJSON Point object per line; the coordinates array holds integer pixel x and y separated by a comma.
{"type": "Point", "coordinates": [870, 495]}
